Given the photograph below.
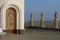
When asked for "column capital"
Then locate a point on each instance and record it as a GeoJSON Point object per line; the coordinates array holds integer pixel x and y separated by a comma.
{"type": "Point", "coordinates": [42, 15]}
{"type": "Point", "coordinates": [56, 15]}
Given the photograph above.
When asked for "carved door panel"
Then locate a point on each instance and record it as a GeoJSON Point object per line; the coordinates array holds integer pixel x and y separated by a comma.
{"type": "Point", "coordinates": [10, 20]}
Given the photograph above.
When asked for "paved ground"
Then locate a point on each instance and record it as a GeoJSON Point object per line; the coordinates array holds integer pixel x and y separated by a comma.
{"type": "Point", "coordinates": [35, 34]}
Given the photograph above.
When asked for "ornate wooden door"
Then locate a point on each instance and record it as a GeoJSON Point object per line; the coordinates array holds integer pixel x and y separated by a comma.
{"type": "Point", "coordinates": [11, 20]}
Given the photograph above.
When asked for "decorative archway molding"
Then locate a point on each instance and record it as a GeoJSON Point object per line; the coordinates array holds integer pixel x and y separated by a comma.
{"type": "Point", "coordinates": [20, 18]}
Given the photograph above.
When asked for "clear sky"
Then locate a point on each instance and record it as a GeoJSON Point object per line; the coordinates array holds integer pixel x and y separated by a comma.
{"type": "Point", "coordinates": [48, 7]}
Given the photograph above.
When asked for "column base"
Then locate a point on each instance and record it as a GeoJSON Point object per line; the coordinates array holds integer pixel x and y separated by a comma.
{"type": "Point", "coordinates": [56, 27]}
{"type": "Point", "coordinates": [22, 31]}
{"type": "Point", "coordinates": [19, 31]}
{"type": "Point", "coordinates": [4, 30]}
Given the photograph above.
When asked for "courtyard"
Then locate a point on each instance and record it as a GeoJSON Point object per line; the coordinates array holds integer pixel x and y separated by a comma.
{"type": "Point", "coordinates": [34, 34]}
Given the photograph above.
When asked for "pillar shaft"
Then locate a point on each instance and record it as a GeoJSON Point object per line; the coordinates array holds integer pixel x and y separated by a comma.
{"type": "Point", "coordinates": [42, 20]}
{"type": "Point", "coordinates": [31, 22]}
{"type": "Point", "coordinates": [56, 23]}
{"type": "Point", "coordinates": [56, 20]}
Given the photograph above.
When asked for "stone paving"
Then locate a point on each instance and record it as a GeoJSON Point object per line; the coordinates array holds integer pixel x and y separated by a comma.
{"type": "Point", "coordinates": [34, 34]}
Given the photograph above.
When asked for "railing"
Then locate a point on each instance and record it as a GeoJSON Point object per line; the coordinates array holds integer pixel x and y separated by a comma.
{"type": "Point", "coordinates": [47, 24]}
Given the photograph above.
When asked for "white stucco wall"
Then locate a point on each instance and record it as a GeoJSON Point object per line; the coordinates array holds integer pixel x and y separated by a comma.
{"type": "Point", "coordinates": [21, 2]}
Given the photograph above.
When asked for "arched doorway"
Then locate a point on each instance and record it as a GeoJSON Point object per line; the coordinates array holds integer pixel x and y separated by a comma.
{"type": "Point", "coordinates": [18, 18]}
{"type": "Point", "coordinates": [11, 20]}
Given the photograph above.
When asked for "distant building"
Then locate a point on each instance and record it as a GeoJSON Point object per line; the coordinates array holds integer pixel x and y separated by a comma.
{"type": "Point", "coordinates": [12, 15]}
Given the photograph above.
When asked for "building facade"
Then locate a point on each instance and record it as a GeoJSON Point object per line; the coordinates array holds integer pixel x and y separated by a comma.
{"type": "Point", "coordinates": [12, 15]}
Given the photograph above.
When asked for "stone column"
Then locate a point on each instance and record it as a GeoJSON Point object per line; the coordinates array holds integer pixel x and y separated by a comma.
{"type": "Point", "coordinates": [31, 20]}
{"type": "Point", "coordinates": [56, 20]}
{"type": "Point", "coordinates": [42, 20]}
